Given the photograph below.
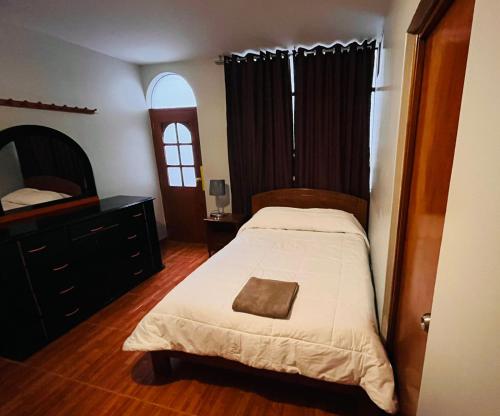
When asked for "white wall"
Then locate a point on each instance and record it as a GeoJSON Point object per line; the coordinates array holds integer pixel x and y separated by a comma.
{"type": "Point", "coordinates": [117, 139]}
{"type": "Point", "coordinates": [462, 366]}
{"type": "Point", "coordinates": [385, 145]}
{"type": "Point", "coordinates": [207, 81]}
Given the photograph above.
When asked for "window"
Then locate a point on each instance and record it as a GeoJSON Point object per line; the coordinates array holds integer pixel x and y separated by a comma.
{"type": "Point", "coordinates": [170, 90]}
{"type": "Point", "coordinates": [178, 148]}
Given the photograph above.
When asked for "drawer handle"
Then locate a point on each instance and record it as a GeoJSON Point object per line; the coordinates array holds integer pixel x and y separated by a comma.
{"type": "Point", "coordinates": [72, 313]}
{"type": "Point", "coordinates": [133, 256]}
{"type": "Point", "coordinates": [69, 289]}
{"type": "Point", "coordinates": [131, 237]}
{"type": "Point", "coordinates": [109, 227]}
{"type": "Point", "coordinates": [36, 250]}
{"type": "Point", "coordinates": [137, 215]}
{"type": "Point", "coordinates": [57, 269]}
{"type": "Point", "coordinates": [94, 230]}
{"type": "Point", "coordinates": [138, 272]}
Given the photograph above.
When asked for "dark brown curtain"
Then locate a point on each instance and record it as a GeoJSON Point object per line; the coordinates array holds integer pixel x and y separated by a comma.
{"type": "Point", "coordinates": [332, 117]}
{"type": "Point", "coordinates": [259, 125]}
{"type": "Point", "coordinates": [50, 156]}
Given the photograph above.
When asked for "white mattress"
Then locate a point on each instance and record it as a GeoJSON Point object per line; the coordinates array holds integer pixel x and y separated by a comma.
{"type": "Point", "coordinates": [7, 205]}
{"type": "Point", "coordinates": [331, 333]}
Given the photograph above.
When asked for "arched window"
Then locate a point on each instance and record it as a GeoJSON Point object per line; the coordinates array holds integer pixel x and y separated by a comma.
{"type": "Point", "coordinates": [169, 90]}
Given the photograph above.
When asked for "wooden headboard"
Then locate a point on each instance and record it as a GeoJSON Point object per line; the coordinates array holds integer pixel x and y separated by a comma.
{"type": "Point", "coordinates": [312, 198]}
{"type": "Point", "coordinates": [53, 183]}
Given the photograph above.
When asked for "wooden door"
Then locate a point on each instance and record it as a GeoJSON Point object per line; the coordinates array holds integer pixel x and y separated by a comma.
{"type": "Point", "coordinates": [178, 158]}
{"type": "Point", "coordinates": [437, 92]}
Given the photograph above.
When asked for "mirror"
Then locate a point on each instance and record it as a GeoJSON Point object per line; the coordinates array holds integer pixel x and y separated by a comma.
{"type": "Point", "coordinates": [40, 167]}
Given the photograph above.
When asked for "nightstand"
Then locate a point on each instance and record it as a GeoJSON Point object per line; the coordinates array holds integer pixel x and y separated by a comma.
{"type": "Point", "coordinates": [222, 231]}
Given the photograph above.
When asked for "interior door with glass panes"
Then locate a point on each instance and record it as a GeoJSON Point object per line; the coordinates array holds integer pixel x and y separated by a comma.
{"type": "Point", "coordinates": [178, 158]}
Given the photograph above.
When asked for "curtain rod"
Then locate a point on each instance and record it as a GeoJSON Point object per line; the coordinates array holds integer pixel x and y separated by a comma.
{"type": "Point", "coordinates": [221, 58]}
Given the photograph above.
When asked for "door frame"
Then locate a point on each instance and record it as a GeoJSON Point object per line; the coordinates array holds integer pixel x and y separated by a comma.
{"type": "Point", "coordinates": [155, 114]}
{"type": "Point", "coordinates": [425, 19]}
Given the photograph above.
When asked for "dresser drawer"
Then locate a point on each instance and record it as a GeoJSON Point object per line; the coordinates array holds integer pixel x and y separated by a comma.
{"type": "Point", "coordinates": [53, 279]}
{"type": "Point", "coordinates": [93, 226]}
{"type": "Point", "coordinates": [57, 324]}
{"type": "Point", "coordinates": [45, 248]}
{"type": "Point", "coordinates": [63, 310]}
{"type": "Point", "coordinates": [60, 302]}
{"type": "Point", "coordinates": [136, 258]}
{"type": "Point", "coordinates": [135, 252]}
{"type": "Point", "coordinates": [19, 309]}
{"type": "Point", "coordinates": [133, 219]}
{"type": "Point", "coordinates": [133, 239]}
{"type": "Point", "coordinates": [138, 266]}
{"type": "Point", "coordinates": [135, 213]}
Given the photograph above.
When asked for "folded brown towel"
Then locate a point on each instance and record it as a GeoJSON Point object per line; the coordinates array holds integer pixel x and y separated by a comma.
{"type": "Point", "coordinates": [266, 297]}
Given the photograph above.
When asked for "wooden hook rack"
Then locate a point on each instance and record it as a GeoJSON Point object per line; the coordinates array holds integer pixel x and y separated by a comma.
{"type": "Point", "coordinates": [9, 102]}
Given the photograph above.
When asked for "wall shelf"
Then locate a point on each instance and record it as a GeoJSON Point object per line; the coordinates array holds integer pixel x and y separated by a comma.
{"type": "Point", "coordinates": [9, 102]}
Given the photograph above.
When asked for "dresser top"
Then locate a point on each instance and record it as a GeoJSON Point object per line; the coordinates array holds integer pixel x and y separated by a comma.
{"type": "Point", "coordinates": [106, 205]}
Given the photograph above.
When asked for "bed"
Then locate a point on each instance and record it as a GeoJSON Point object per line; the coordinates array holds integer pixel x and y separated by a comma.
{"type": "Point", "coordinates": [39, 190]}
{"type": "Point", "coordinates": [25, 197]}
{"type": "Point", "coordinates": [315, 238]}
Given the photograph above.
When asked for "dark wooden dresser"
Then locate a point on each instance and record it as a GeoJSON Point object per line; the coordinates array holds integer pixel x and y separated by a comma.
{"type": "Point", "coordinates": [57, 271]}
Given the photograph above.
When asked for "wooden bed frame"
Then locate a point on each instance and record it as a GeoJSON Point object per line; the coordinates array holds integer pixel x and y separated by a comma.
{"type": "Point", "coordinates": [312, 198]}
{"type": "Point", "coordinates": [54, 184]}
{"type": "Point", "coordinates": [297, 198]}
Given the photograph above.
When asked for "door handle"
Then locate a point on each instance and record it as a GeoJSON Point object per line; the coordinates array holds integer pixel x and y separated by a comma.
{"type": "Point", "coordinates": [425, 321]}
{"type": "Point", "coordinates": [201, 178]}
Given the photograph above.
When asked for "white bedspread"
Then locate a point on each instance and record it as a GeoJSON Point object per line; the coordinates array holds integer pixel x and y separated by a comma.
{"type": "Point", "coordinates": [29, 196]}
{"type": "Point", "coordinates": [331, 334]}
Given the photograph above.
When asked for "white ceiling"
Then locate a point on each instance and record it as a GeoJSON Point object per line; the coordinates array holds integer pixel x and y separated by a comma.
{"type": "Point", "coordinates": [151, 31]}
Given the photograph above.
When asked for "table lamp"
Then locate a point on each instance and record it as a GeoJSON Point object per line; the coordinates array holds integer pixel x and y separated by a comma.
{"type": "Point", "coordinates": [218, 189]}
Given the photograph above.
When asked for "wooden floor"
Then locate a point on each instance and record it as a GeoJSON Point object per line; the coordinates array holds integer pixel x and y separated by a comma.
{"type": "Point", "coordinates": [85, 372]}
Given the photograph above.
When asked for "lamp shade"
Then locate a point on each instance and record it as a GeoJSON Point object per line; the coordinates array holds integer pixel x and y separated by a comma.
{"type": "Point", "coordinates": [217, 187]}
